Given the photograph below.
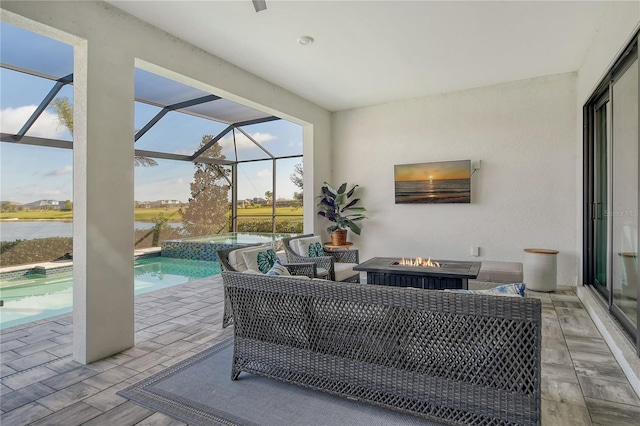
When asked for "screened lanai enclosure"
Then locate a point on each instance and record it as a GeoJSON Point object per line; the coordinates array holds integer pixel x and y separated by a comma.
{"type": "Point", "coordinates": [204, 165]}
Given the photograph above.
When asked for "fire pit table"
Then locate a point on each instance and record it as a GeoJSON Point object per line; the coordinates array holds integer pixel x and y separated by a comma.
{"type": "Point", "coordinates": [439, 275]}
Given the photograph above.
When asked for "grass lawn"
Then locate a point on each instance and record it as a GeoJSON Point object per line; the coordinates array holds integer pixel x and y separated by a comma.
{"type": "Point", "coordinates": [38, 215]}
{"type": "Point", "coordinates": [147, 215]}
{"type": "Point", "coordinates": [266, 211]}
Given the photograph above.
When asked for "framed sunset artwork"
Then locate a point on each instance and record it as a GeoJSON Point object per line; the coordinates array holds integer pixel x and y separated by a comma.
{"type": "Point", "coordinates": [433, 183]}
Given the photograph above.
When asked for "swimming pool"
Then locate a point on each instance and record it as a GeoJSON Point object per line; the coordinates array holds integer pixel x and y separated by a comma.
{"type": "Point", "coordinates": [34, 297]}
{"type": "Point", "coordinates": [206, 248]}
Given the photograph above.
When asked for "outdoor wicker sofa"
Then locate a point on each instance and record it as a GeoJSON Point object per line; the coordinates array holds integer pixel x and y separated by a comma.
{"type": "Point", "coordinates": [445, 356]}
{"type": "Point", "coordinates": [337, 264]}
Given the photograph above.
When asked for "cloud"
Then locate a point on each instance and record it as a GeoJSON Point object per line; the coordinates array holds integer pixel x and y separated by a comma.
{"type": "Point", "coordinates": [46, 126]}
{"type": "Point", "coordinates": [163, 189]}
{"type": "Point", "coordinates": [49, 192]}
{"type": "Point", "coordinates": [244, 142]}
{"type": "Point", "coordinates": [264, 173]}
{"type": "Point", "coordinates": [59, 172]}
{"type": "Point", "coordinates": [22, 196]}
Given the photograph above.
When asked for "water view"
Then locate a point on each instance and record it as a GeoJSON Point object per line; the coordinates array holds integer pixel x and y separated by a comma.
{"type": "Point", "coordinates": [28, 230]}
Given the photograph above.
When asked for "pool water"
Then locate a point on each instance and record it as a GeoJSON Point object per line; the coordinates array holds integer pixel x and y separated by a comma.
{"type": "Point", "coordinates": [35, 297]}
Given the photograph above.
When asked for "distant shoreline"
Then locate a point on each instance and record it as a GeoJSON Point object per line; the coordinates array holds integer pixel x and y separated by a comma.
{"type": "Point", "coordinates": [16, 219]}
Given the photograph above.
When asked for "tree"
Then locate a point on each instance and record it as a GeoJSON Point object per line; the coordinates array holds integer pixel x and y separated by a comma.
{"type": "Point", "coordinates": [64, 110]}
{"type": "Point", "coordinates": [160, 225]}
{"type": "Point", "coordinates": [298, 176]}
{"type": "Point", "coordinates": [207, 210]}
{"type": "Point", "coordinates": [7, 206]}
{"type": "Point", "coordinates": [298, 180]}
{"type": "Point", "coordinates": [269, 196]}
{"type": "Point", "coordinates": [68, 205]}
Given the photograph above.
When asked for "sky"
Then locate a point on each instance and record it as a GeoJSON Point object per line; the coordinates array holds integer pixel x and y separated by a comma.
{"type": "Point", "coordinates": [30, 173]}
{"type": "Point", "coordinates": [433, 171]}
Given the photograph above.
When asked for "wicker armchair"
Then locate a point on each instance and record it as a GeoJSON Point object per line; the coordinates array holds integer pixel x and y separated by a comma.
{"type": "Point", "coordinates": [308, 269]}
{"type": "Point", "coordinates": [337, 265]}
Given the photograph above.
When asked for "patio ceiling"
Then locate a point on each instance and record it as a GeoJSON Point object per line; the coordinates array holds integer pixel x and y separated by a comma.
{"type": "Point", "coordinates": [371, 52]}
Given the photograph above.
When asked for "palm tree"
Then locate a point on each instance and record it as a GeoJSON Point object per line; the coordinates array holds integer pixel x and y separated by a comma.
{"type": "Point", "coordinates": [64, 110]}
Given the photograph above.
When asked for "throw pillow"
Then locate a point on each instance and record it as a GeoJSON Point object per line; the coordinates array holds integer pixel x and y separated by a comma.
{"type": "Point", "coordinates": [278, 269]}
{"type": "Point", "coordinates": [310, 247]}
{"type": "Point", "coordinates": [260, 259]}
{"type": "Point", "coordinates": [236, 260]}
{"type": "Point", "coordinates": [295, 246]}
{"type": "Point", "coordinates": [516, 289]}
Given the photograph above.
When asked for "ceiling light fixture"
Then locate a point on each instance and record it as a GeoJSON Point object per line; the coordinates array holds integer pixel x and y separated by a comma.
{"type": "Point", "coordinates": [259, 5]}
{"type": "Point", "coordinates": [305, 40]}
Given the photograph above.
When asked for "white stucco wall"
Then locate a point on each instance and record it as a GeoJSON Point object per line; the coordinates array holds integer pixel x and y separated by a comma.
{"type": "Point", "coordinates": [523, 196]}
{"type": "Point", "coordinates": [109, 43]}
{"type": "Point", "coordinates": [620, 22]}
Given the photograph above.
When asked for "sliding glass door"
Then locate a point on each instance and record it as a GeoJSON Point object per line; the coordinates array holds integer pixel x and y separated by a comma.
{"type": "Point", "coordinates": [624, 195]}
{"type": "Point", "coordinates": [612, 160]}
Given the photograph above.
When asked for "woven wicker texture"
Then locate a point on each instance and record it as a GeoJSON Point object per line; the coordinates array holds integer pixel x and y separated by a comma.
{"type": "Point", "coordinates": [327, 261]}
{"type": "Point", "coordinates": [300, 269]}
{"type": "Point", "coordinates": [458, 358]}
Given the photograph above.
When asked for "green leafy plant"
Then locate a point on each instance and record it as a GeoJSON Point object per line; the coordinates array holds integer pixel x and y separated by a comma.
{"type": "Point", "coordinates": [338, 207]}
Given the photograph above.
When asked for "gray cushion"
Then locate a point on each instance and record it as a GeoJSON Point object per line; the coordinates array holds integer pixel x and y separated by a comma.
{"type": "Point", "coordinates": [344, 270]}
{"type": "Point", "coordinates": [500, 272]}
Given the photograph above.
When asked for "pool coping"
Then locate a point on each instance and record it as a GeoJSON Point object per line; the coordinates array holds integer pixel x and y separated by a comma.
{"type": "Point", "coordinates": [60, 266]}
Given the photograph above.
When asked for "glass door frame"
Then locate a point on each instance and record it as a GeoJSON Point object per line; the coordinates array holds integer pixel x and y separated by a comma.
{"type": "Point", "coordinates": [599, 208]}
{"type": "Point", "coordinates": [604, 95]}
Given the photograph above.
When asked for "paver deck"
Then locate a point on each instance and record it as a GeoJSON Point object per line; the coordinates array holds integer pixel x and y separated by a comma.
{"type": "Point", "coordinates": [40, 384]}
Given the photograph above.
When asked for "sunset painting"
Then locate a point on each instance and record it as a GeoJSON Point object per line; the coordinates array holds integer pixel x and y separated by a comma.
{"type": "Point", "coordinates": [433, 183]}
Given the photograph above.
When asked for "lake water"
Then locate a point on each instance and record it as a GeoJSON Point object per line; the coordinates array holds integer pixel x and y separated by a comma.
{"type": "Point", "coordinates": [22, 230]}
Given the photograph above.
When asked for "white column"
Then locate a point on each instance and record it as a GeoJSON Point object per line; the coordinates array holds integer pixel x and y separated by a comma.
{"type": "Point", "coordinates": [317, 169]}
{"type": "Point", "coordinates": [103, 299]}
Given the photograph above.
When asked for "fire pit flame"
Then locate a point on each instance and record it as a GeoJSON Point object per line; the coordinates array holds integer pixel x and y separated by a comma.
{"type": "Point", "coordinates": [419, 262]}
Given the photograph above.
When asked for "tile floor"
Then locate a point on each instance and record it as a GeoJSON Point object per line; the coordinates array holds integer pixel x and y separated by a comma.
{"type": "Point", "coordinates": [40, 383]}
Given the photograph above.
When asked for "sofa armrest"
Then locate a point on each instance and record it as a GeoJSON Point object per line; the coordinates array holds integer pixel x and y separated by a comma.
{"type": "Point", "coordinates": [308, 269]}
{"type": "Point", "coordinates": [344, 256]}
{"type": "Point", "coordinates": [325, 262]}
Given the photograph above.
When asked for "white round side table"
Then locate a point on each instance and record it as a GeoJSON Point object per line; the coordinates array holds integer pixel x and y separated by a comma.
{"type": "Point", "coordinates": [540, 269]}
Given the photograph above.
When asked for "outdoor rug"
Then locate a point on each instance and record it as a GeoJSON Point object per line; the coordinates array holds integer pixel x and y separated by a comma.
{"type": "Point", "coordinates": [199, 391]}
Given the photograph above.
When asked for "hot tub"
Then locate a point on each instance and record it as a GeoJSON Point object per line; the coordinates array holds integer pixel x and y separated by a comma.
{"type": "Point", "coordinates": [206, 248]}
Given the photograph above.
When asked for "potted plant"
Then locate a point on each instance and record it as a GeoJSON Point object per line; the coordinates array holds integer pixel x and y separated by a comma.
{"type": "Point", "coordinates": [338, 206]}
